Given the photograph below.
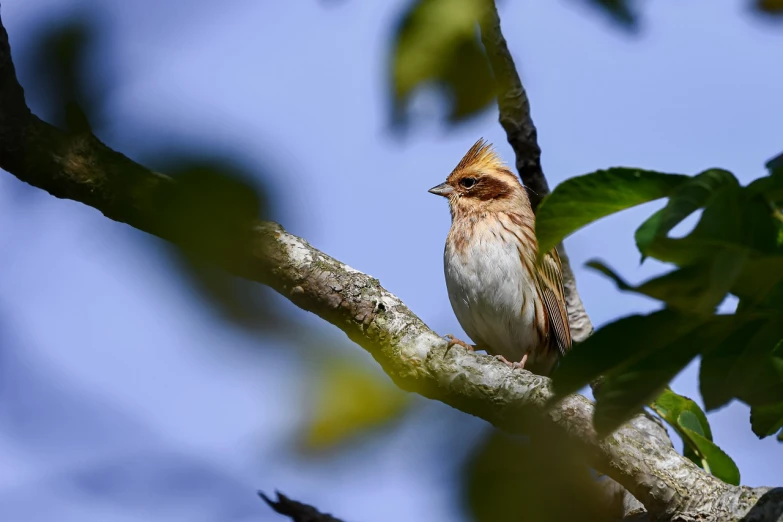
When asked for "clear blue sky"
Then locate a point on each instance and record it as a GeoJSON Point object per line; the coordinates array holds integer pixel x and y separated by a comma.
{"type": "Point", "coordinates": [122, 398]}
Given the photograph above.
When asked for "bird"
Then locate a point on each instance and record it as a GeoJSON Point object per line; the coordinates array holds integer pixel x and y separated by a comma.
{"type": "Point", "coordinates": [510, 303]}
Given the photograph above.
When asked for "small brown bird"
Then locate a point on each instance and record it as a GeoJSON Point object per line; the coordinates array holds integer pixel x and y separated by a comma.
{"type": "Point", "coordinates": [509, 304]}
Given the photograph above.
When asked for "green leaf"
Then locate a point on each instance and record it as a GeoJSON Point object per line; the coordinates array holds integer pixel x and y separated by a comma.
{"type": "Point", "coordinates": [745, 364]}
{"type": "Point", "coordinates": [670, 406]}
{"type": "Point", "coordinates": [766, 420]}
{"type": "Point", "coordinates": [637, 357]}
{"type": "Point", "coordinates": [618, 345]}
{"type": "Point", "coordinates": [775, 165]}
{"type": "Point", "coordinates": [720, 464]}
{"type": "Point", "coordinates": [695, 288]}
{"type": "Point", "coordinates": [734, 221]}
{"type": "Point", "coordinates": [624, 392]}
{"type": "Point", "coordinates": [683, 201]}
{"type": "Point", "coordinates": [758, 280]}
{"type": "Point", "coordinates": [436, 42]}
{"type": "Point", "coordinates": [579, 201]}
{"type": "Point", "coordinates": [690, 422]}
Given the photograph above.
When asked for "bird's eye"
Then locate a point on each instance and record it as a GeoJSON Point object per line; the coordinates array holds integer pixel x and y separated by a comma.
{"type": "Point", "coordinates": [467, 182]}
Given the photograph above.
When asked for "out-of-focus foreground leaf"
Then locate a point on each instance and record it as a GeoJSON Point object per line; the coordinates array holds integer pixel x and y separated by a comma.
{"type": "Point", "coordinates": [770, 7]}
{"type": "Point", "coordinates": [624, 15]}
{"type": "Point", "coordinates": [690, 423]}
{"type": "Point", "coordinates": [545, 479]}
{"type": "Point", "coordinates": [580, 200]}
{"type": "Point", "coordinates": [436, 42]}
{"type": "Point", "coordinates": [210, 214]}
{"type": "Point", "coordinates": [67, 84]}
{"type": "Point", "coordinates": [619, 11]}
{"type": "Point", "coordinates": [348, 400]}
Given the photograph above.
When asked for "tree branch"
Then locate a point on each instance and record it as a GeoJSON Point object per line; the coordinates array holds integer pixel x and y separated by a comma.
{"type": "Point", "coordinates": [514, 109]}
{"type": "Point", "coordinates": [297, 511]}
{"type": "Point", "coordinates": [638, 455]}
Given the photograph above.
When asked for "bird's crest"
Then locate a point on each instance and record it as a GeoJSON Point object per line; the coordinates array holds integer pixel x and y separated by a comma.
{"type": "Point", "coordinates": [481, 156]}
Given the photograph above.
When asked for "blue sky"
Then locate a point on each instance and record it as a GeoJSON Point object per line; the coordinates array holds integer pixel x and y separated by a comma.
{"type": "Point", "coordinates": [123, 398]}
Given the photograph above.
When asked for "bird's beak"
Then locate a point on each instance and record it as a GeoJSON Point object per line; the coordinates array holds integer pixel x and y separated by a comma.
{"type": "Point", "coordinates": [444, 189]}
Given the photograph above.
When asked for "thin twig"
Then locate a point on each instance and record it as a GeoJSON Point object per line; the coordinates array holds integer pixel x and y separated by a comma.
{"type": "Point", "coordinates": [515, 118]}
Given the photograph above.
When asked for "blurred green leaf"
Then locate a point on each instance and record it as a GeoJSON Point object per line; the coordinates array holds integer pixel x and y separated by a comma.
{"type": "Point", "coordinates": [348, 400]}
{"type": "Point", "coordinates": [68, 86]}
{"type": "Point", "coordinates": [770, 7]}
{"type": "Point", "coordinates": [619, 11]}
{"type": "Point", "coordinates": [209, 214]}
{"type": "Point", "coordinates": [510, 479]}
{"type": "Point", "coordinates": [579, 201]}
{"type": "Point", "coordinates": [688, 197]}
{"type": "Point", "coordinates": [720, 464]}
{"type": "Point", "coordinates": [436, 42]}
{"type": "Point", "coordinates": [766, 420]}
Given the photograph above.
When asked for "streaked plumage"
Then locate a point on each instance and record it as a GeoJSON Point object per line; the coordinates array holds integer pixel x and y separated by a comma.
{"type": "Point", "coordinates": [509, 304]}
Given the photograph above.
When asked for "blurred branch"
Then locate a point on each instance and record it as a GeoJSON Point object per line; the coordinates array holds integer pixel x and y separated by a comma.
{"type": "Point", "coordinates": [297, 511]}
{"type": "Point", "coordinates": [515, 119]}
{"type": "Point", "coordinates": [638, 455]}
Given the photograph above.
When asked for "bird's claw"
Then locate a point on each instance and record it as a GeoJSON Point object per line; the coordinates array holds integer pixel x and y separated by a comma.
{"type": "Point", "coordinates": [505, 361]}
{"type": "Point", "coordinates": [454, 341]}
{"type": "Point", "coordinates": [515, 365]}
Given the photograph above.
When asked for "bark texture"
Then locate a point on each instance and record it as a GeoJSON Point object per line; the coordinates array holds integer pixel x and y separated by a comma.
{"type": "Point", "coordinates": [639, 455]}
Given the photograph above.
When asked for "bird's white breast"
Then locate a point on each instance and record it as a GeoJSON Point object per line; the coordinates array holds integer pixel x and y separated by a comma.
{"type": "Point", "coordinates": [491, 294]}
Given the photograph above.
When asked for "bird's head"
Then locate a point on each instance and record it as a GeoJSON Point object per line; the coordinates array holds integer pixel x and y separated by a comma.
{"type": "Point", "coordinates": [482, 182]}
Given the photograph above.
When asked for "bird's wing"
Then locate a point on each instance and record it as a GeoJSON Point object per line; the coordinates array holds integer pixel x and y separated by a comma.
{"type": "Point", "coordinates": [550, 285]}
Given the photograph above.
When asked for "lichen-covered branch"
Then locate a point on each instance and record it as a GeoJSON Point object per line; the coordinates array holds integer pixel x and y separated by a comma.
{"type": "Point", "coordinates": [639, 455]}
{"type": "Point", "coordinates": [514, 116]}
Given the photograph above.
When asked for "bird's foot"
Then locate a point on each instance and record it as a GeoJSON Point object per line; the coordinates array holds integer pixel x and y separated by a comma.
{"type": "Point", "coordinates": [515, 365]}
{"type": "Point", "coordinates": [454, 341]}
{"type": "Point", "coordinates": [505, 361]}
{"type": "Point", "coordinates": [521, 364]}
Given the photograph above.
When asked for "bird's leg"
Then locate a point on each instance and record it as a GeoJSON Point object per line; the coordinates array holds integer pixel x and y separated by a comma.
{"type": "Point", "coordinates": [453, 340]}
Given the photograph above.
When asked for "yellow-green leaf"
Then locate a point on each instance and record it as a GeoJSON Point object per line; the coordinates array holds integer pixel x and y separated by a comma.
{"type": "Point", "coordinates": [349, 400]}
{"type": "Point", "coordinates": [436, 42]}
